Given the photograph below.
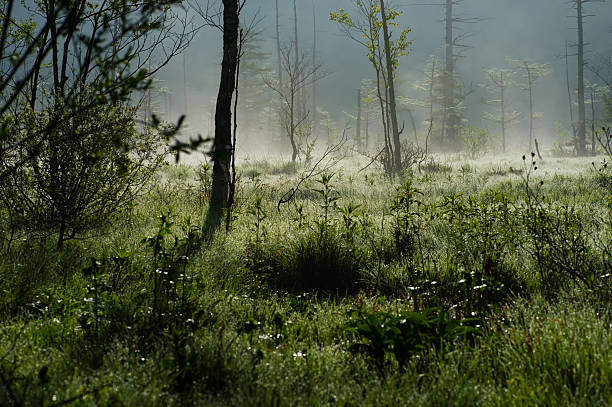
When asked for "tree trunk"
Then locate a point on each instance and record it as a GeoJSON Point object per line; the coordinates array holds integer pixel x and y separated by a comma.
{"type": "Point", "coordinates": [391, 100]}
{"type": "Point", "coordinates": [449, 85]}
{"type": "Point", "coordinates": [280, 73]}
{"type": "Point", "coordinates": [581, 133]}
{"type": "Point", "coordinates": [569, 93]}
{"type": "Point", "coordinates": [358, 139]}
{"type": "Point", "coordinates": [530, 84]}
{"type": "Point", "coordinates": [292, 126]}
{"type": "Point", "coordinates": [300, 105]}
{"type": "Point", "coordinates": [367, 126]}
{"type": "Point", "coordinates": [530, 108]}
{"type": "Point", "coordinates": [503, 111]}
{"type": "Point", "coordinates": [593, 147]}
{"type": "Point", "coordinates": [314, 65]}
{"type": "Point", "coordinates": [222, 149]}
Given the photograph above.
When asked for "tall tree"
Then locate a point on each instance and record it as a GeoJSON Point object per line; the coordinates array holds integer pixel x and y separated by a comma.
{"type": "Point", "coordinates": [449, 120]}
{"type": "Point", "coordinates": [531, 73]}
{"type": "Point", "coordinates": [222, 144]}
{"type": "Point", "coordinates": [279, 66]}
{"type": "Point", "coordinates": [370, 29]}
{"type": "Point", "coordinates": [315, 124]}
{"type": "Point", "coordinates": [581, 125]}
{"type": "Point", "coordinates": [358, 135]}
{"type": "Point", "coordinates": [391, 87]}
{"type": "Point", "coordinates": [453, 49]}
{"type": "Point", "coordinates": [499, 81]}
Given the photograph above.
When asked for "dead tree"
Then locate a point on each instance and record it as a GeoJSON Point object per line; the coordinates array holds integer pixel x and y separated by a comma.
{"type": "Point", "coordinates": [298, 75]}
{"type": "Point", "coordinates": [499, 81]}
{"type": "Point", "coordinates": [531, 73]}
{"type": "Point", "coordinates": [581, 125]}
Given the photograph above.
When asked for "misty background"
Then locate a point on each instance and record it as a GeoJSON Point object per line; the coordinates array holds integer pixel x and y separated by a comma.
{"type": "Point", "coordinates": [533, 29]}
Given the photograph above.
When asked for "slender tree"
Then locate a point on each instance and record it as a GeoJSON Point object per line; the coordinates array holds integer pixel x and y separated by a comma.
{"type": "Point", "coordinates": [499, 81]}
{"type": "Point", "coordinates": [298, 76]}
{"type": "Point", "coordinates": [370, 29]}
{"type": "Point", "coordinates": [315, 124]}
{"type": "Point", "coordinates": [279, 66]}
{"type": "Point", "coordinates": [569, 91]}
{"type": "Point", "coordinates": [531, 73]}
{"type": "Point", "coordinates": [391, 88]}
{"type": "Point", "coordinates": [358, 135]}
{"type": "Point", "coordinates": [581, 125]}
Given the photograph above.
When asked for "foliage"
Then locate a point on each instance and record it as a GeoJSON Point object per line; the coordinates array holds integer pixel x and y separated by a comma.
{"type": "Point", "coordinates": [369, 29]}
{"type": "Point", "coordinates": [404, 335]}
{"type": "Point", "coordinates": [475, 141]}
{"type": "Point", "coordinates": [87, 169]}
{"type": "Point", "coordinates": [465, 318]}
{"type": "Point", "coordinates": [560, 240]}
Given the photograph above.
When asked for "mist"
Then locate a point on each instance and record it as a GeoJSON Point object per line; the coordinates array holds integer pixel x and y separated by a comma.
{"type": "Point", "coordinates": [534, 30]}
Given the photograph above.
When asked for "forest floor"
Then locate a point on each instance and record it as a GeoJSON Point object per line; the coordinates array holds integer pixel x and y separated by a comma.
{"type": "Point", "coordinates": [470, 282]}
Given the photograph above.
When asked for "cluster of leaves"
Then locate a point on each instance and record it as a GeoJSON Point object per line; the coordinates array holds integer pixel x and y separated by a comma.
{"type": "Point", "coordinates": [404, 336]}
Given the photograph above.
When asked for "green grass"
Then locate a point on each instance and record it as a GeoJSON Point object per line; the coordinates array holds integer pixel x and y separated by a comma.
{"type": "Point", "coordinates": [265, 315]}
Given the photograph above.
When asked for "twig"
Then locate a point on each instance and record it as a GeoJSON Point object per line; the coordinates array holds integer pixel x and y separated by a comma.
{"type": "Point", "coordinates": [314, 171]}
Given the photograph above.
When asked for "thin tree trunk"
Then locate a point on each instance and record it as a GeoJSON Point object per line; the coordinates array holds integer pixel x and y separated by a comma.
{"type": "Point", "coordinates": [449, 87]}
{"type": "Point", "coordinates": [592, 121]}
{"type": "Point", "coordinates": [367, 126]}
{"type": "Point", "coordinates": [294, 150]}
{"type": "Point", "coordinates": [569, 92]}
{"type": "Point", "coordinates": [185, 83]}
{"type": "Point", "coordinates": [223, 118]}
{"type": "Point", "coordinates": [314, 64]}
{"type": "Point", "coordinates": [581, 111]}
{"type": "Point", "coordinates": [297, 61]}
{"type": "Point", "coordinates": [431, 101]}
{"type": "Point", "coordinates": [391, 100]}
{"type": "Point", "coordinates": [280, 73]}
{"type": "Point", "coordinates": [358, 140]}
{"type": "Point", "coordinates": [530, 112]}
{"type": "Point", "coordinates": [503, 112]}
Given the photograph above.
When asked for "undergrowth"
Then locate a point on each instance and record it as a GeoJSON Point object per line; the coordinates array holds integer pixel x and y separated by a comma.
{"type": "Point", "coordinates": [451, 287]}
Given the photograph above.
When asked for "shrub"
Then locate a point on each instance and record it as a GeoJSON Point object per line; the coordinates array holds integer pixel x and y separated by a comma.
{"type": "Point", "coordinates": [83, 171]}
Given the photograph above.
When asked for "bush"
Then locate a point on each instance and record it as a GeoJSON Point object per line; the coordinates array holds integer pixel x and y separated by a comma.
{"type": "Point", "coordinates": [72, 179]}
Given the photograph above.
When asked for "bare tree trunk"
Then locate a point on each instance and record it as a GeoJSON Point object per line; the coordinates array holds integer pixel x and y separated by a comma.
{"type": "Point", "coordinates": [280, 72]}
{"type": "Point", "coordinates": [222, 151]}
{"type": "Point", "coordinates": [449, 86]}
{"type": "Point", "coordinates": [314, 64]}
{"type": "Point", "coordinates": [581, 133]}
{"type": "Point", "coordinates": [569, 92]}
{"type": "Point", "coordinates": [367, 126]}
{"type": "Point", "coordinates": [431, 101]}
{"type": "Point", "coordinates": [391, 100]}
{"type": "Point", "coordinates": [294, 152]}
{"type": "Point", "coordinates": [530, 81]}
{"type": "Point", "coordinates": [299, 103]}
{"type": "Point", "coordinates": [503, 111]}
{"type": "Point", "coordinates": [593, 147]}
{"type": "Point", "coordinates": [185, 83]}
{"type": "Point", "coordinates": [358, 118]}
